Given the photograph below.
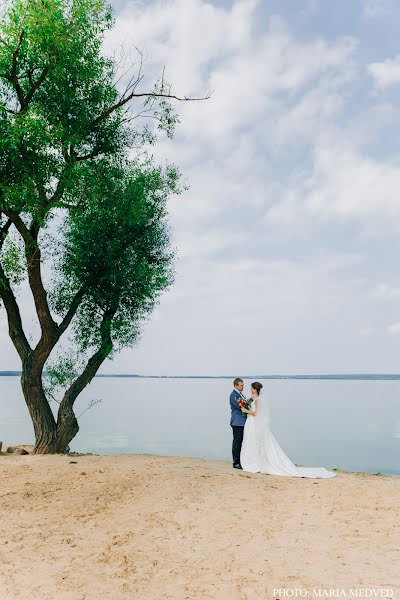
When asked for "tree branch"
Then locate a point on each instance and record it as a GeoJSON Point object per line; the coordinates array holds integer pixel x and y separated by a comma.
{"type": "Point", "coordinates": [15, 327]}
{"type": "Point", "coordinates": [123, 101]}
{"type": "Point", "coordinates": [34, 263]}
{"type": "Point", "coordinates": [4, 231]}
{"type": "Point", "coordinates": [33, 259]}
{"type": "Point", "coordinates": [95, 152]}
{"type": "Point", "coordinates": [92, 365]}
{"type": "Point", "coordinates": [36, 84]}
{"type": "Point", "coordinates": [71, 311]}
{"type": "Point", "coordinates": [14, 77]}
{"type": "Point", "coordinates": [5, 44]}
{"type": "Point", "coordinates": [18, 223]}
{"type": "Point", "coordinates": [67, 168]}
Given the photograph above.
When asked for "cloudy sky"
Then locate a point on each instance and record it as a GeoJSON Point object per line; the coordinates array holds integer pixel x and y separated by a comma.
{"type": "Point", "coordinates": [288, 238]}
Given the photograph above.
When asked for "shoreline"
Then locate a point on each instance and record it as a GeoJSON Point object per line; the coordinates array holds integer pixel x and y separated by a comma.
{"type": "Point", "coordinates": [29, 448]}
{"type": "Point", "coordinates": [118, 526]}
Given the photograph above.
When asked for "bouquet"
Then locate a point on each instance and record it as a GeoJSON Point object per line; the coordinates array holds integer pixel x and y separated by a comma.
{"type": "Point", "coordinates": [245, 403]}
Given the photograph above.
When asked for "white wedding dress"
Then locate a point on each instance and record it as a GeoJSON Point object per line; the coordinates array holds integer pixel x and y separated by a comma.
{"type": "Point", "coordinates": [261, 452]}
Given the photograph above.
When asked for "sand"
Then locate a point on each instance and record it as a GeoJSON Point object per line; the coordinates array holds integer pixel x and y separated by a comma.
{"type": "Point", "coordinates": [151, 527]}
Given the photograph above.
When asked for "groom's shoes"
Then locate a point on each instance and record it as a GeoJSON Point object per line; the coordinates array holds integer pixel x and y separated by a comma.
{"type": "Point", "coordinates": [237, 466]}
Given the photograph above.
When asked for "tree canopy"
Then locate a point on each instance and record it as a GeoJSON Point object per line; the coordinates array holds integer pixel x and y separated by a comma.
{"type": "Point", "coordinates": [81, 218]}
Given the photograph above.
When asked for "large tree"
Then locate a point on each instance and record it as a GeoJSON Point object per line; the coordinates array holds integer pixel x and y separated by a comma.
{"type": "Point", "coordinates": [82, 218]}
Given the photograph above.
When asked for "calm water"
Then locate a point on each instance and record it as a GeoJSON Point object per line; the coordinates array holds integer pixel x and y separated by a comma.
{"type": "Point", "coordinates": [353, 425]}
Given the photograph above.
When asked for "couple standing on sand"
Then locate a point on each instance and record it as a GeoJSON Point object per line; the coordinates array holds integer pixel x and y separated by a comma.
{"type": "Point", "coordinates": [254, 448]}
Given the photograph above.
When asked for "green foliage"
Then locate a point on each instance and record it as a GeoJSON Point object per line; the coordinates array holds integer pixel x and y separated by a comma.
{"type": "Point", "coordinates": [13, 261]}
{"type": "Point", "coordinates": [167, 118]}
{"type": "Point", "coordinates": [65, 153]}
{"type": "Point", "coordinates": [60, 41]}
{"type": "Point", "coordinates": [117, 248]}
{"type": "Point", "coordinates": [61, 373]}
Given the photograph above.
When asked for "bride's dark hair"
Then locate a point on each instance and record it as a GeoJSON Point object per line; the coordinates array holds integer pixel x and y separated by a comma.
{"type": "Point", "coordinates": [257, 386]}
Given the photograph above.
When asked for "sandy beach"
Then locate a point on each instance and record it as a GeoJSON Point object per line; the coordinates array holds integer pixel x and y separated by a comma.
{"type": "Point", "coordinates": [151, 527]}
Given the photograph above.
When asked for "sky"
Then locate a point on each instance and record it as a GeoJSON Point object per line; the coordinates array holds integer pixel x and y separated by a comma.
{"type": "Point", "coordinates": [288, 238]}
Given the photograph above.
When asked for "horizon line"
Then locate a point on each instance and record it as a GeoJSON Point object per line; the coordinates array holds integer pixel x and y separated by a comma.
{"type": "Point", "coordinates": [11, 373]}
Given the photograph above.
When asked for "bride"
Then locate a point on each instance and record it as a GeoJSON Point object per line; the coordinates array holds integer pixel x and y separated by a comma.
{"type": "Point", "coordinates": [261, 452]}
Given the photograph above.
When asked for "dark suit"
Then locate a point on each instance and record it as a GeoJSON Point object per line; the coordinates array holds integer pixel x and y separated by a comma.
{"type": "Point", "coordinates": [238, 420]}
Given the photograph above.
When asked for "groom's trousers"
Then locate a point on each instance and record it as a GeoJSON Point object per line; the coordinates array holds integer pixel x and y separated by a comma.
{"type": "Point", "coordinates": [237, 443]}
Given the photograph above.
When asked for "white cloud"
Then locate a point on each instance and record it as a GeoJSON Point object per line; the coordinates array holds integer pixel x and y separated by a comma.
{"type": "Point", "coordinates": [373, 9]}
{"type": "Point", "coordinates": [280, 160]}
{"type": "Point", "coordinates": [367, 331]}
{"type": "Point", "coordinates": [394, 328]}
{"type": "Point", "coordinates": [272, 93]}
{"type": "Point", "coordinates": [346, 184]}
{"type": "Point", "coordinates": [252, 315]}
{"type": "Point", "coordinates": [256, 80]}
{"type": "Point", "coordinates": [385, 73]}
{"type": "Point", "coordinates": [384, 290]}
{"type": "Point", "coordinates": [342, 186]}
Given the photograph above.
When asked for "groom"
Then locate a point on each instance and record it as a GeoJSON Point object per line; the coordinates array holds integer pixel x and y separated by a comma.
{"type": "Point", "coordinates": [238, 420]}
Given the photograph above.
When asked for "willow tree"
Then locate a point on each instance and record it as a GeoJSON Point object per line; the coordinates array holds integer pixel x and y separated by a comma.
{"type": "Point", "coordinates": [82, 216]}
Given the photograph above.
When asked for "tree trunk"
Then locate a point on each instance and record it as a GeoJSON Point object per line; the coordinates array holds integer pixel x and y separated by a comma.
{"type": "Point", "coordinates": [67, 425]}
{"type": "Point", "coordinates": [51, 436]}
{"type": "Point", "coordinates": [44, 424]}
{"type": "Point", "coordinates": [67, 428]}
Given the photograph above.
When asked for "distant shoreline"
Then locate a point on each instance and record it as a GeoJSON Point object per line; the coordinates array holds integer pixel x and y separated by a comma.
{"type": "Point", "coordinates": [331, 376]}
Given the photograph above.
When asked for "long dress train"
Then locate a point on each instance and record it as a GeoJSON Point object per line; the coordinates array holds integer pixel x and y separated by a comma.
{"type": "Point", "coordinates": [261, 452]}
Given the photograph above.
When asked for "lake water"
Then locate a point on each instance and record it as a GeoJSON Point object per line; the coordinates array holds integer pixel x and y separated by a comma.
{"type": "Point", "coordinates": [352, 425]}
